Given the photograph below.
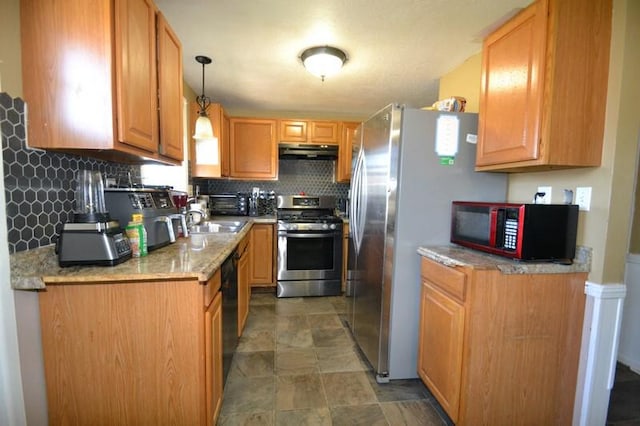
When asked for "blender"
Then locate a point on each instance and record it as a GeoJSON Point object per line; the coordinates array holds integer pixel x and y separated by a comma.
{"type": "Point", "coordinates": [91, 238]}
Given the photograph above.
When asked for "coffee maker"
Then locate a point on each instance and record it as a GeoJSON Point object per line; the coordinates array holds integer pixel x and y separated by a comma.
{"type": "Point", "coordinates": [92, 238]}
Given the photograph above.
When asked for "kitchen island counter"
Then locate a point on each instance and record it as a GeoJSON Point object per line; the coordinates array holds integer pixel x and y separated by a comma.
{"type": "Point", "coordinates": [197, 256]}
{"type": "Point", "coordinates": [453, 255]}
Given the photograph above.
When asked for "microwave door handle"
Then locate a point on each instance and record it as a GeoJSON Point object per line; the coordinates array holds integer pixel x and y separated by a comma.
{"type": "Point", "coordinates": [493, 226]}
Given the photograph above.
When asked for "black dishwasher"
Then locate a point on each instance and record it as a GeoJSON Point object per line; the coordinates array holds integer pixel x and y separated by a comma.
{"type": "Point", "coordinates": [229, 288]}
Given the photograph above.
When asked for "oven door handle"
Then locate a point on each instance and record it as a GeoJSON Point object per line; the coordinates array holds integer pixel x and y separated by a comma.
{"type": "Point", "coordinates": [290, 234]}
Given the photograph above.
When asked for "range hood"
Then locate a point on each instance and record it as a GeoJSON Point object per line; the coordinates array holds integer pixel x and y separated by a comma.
{"type": "Point", "coordinates": [308, 151]}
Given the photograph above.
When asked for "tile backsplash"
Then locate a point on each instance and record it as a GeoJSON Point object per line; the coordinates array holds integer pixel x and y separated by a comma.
{"type": "Point", "coordinates": [313, 177]}
{"type": "Point", "coordinates": [39, 185]}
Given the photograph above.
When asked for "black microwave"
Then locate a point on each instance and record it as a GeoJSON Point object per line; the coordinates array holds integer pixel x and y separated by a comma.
{"type": "Point", "coordinates": [231, 204]}
{"type": "Point", "coordinates": [536, 232]}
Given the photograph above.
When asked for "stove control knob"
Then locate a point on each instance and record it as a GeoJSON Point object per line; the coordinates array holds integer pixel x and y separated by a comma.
{"type": "Point", "coordinates": [292, 226]}
{"type": "Point", "coordinates": [325, 226]}
{"type": "Point", "coordinates": [332, 226]}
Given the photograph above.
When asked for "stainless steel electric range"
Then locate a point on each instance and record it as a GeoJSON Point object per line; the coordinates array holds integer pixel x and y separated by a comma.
{"type": "Point", "coordinates": [309, 246]}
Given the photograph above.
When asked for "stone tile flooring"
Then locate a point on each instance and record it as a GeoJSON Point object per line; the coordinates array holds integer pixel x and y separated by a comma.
{"type": "Point", "coordinates": [624, 402]}
{"type": "Point", "coordinates": [297, 364]}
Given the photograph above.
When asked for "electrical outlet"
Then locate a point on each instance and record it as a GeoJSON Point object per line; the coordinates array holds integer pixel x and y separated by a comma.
{"type": "Point", "coordinates": [583, 197]}
{"type": "Point", "coordinates": [546, 199]}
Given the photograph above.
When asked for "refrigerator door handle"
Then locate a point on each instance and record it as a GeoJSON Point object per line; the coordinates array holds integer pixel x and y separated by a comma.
{"type": "Point", "coordinates": [356, 206]}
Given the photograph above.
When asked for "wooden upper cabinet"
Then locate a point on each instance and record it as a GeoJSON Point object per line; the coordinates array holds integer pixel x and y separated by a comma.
{"type": "Point", "coordinates": [324, 132]}
{"type": "Point", "coordinates": [170, 90]}
{"type": "Point", "coordinates": [303, 131]}
{"type": "Point", "coordinates": [205, 167]}
{"type": "Point", "coordinates": [345, 151]}
{"type": "Point", "coordinates": [543, 88]}
{"type": "Point", "coordinates": [136, 75]}
{"type": "Point", "coordinates": [91, 84]}
{"type": "Point", "coordinates": [293, 131]}
{"type": "Point", "coordinates": [253, 149]}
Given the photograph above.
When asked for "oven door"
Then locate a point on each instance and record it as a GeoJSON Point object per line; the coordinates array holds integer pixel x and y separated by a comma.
{"type": "Point", "coordinates": [309, 255]}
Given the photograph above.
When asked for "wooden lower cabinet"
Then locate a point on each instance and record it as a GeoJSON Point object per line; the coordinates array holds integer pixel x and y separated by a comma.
{"type": "Point", "coordinates": [244, 292]}
{"type": "Point", "coordinates": [213, 359]}
{"type": "Point", "coordinates": [498, 349]}
{"type": "Point", "coordinates": [262, 255]}
{"type": "Point", "coordinates": [132, 352]}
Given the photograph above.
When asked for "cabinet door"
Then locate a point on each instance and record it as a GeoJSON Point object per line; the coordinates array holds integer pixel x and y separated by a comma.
{"type": "Point", "coordinates": [440, 346]}
{"type": "Point", "coordinates": [324, 132]}
{"type": "Point", "coordinates": [244, 293]}
{"type": "Point", "coordinates": [136, 76]}
{"type": "Point", "coordinates": [213, 358]}
{"type": "Point", "coordinates": [170, 90]}
{"type": "Point", "coordinates": [343, 171]}
{"type": "Point", "coordinates": [253, 150]}
{"type": "Point", "coordinates": [262, 247]}
{"type": "Point", "coordinates": [293, 131]}
{"type": "Point", "coordinates": [511, 89]}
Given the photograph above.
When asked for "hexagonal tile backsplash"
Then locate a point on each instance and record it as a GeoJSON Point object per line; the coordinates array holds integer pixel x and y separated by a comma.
{"type": "Point", "coordinates": [313, 177]}
{"type": "Point", "coordinates": [39, 185]}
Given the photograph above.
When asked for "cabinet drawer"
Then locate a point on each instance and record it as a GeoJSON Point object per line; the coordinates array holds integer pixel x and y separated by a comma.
{"type": "Point", "coordinates": [212, 287]}
{"type": "Point", "coordinates": [446, 278]}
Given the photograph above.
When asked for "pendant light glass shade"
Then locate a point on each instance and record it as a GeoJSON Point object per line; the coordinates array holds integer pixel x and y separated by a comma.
{"type": "Point", "coordinates": [323, 61]}
{"type": "Point", "coordinates": [204, 129]}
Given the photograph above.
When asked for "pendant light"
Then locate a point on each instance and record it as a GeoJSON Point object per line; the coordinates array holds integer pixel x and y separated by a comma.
{"type": "Point", "coordinates": [204, 129]}
{"type": "Point", "coordinates": [323, 61]}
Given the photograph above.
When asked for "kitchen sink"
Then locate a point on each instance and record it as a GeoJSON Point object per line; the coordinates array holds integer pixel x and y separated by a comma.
{"type": "Point", "coordinates": [218, 227]}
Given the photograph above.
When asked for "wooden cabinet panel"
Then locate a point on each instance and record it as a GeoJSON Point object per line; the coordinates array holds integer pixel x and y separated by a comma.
{"type": "Point", "coordinates": [244, 292]}
{"type": "Point", "coordinates": [544, 79]}
{"type": "Point", "coordinates": [213, 359]}
{"type": "Point", "coordinates": [293, 131]}
{"type": "Point", "coordinates": [170, 91]}
{"type": "Point", "coordinates": [348, 136]}
{"type": "Point", "coordinates": [124, 353]}
{"type": "Point", "coordinates": [135, 41]}
{"type": "Point", "coordinates": [512, 89]}
{"type": "Point", "coordinates": [253, 150]}
{"type": "Point", "coordinates": [440, 346]}
{"type": "Point", "coordinates": [262, 255]}
{"type": "Point", "coordinates": [446, 279]}
{"type": "Point", "coordinates": [324, 132]}
{"type": "Point", "coordinates": [305, 131]}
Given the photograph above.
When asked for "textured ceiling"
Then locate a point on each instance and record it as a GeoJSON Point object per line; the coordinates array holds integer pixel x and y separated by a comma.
{"type": "Point", "coordinates": [397, 50]}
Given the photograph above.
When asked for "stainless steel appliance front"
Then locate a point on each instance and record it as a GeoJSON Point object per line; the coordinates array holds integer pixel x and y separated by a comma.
{"type": "Point", "coordinates": [309, 247]}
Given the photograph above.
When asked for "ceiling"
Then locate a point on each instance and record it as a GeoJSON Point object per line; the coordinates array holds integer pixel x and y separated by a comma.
{"type": "Point", "coordinates": [397, 50]}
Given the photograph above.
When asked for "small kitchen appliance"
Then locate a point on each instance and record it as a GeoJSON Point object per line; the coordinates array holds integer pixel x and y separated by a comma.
{"type": "Point", "coordinates": [93, 237]}
{"type": "Point", "coordinates": [535, 232]}
{"type": "Point", "coordinates": [156, 207]}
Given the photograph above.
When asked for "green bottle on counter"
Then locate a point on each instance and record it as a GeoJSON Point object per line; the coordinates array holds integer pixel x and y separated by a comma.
{"type": "Point", "coordinates": [137, 236]}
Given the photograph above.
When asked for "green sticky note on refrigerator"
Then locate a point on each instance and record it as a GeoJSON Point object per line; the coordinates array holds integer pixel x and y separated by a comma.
{"type": "Point", "coordinates": [447, 161]}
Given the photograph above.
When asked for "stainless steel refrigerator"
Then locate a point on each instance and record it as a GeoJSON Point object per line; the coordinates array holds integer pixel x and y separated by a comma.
{"type": "Point", "coordinates": [401, 193]}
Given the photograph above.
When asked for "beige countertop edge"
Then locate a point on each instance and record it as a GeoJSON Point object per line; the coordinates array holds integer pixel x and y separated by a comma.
{"type": "Point", "coordinates": [453, 255]}
{"type": "Point", "coordinates": [195, 257]}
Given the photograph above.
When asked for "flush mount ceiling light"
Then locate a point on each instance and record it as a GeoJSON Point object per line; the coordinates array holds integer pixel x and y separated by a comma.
{"type": "Point", "coordinates": [204, 129]}
{"type": "Point", "coordinates": [323, 61]}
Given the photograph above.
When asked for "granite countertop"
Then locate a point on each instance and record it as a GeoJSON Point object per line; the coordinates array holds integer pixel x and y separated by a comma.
{"type": "Point", "coordinates": [453, 255]}
{"type": "Point", "coordinates": [195, 257]}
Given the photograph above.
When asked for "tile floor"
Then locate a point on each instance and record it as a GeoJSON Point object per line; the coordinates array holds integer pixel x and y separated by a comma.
{"type": "Point", "coordinates": [296, 364]}
{"type": "Point", "coordinates": [624, 402]}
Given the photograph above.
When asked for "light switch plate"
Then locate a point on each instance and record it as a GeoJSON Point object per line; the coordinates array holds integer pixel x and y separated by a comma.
{"type": "Point", "coordinates": [583, 197]}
